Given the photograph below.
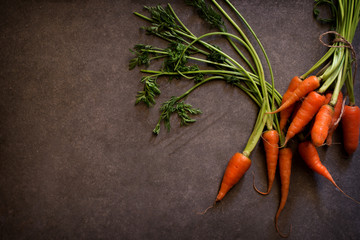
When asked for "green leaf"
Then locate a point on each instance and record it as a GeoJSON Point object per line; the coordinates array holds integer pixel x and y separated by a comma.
{"type": "Point", "coordinates": [215, 56]}
{"type": "Point", "coordinates": [180, 108]}
{"type": "Point", "coordinates": [141, 56]}
{"type": "Point", "coordinates": [151, 89]}
{"type": "Point", "coordinates": [157, 129]}
{"type": "Point", "coordinates": [207, 13]}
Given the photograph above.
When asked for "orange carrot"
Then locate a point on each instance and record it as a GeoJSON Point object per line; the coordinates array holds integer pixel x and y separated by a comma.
{"type": "Point", "coordinates": [271, 140]}
{"type": "Point", "coordinates": [334, 121]}
{"type": "Point", "coordinates": [309, 84]}
{"type": "Point", "coordinates": [328, 97]}
{"type": "Point", "coordinates": [309, 107]}
{"type": "Point", "coordinates": [311, 157]}
{"type": "Point", "coordinates": [350, 124]}
{"type": "Point", "coordinates": [286, 113]}
{"type": "Point", "coordinates": [285, 158]}
{"type": "Point", "coordinates": [235, 169]}
{"type": "Point", "coordinates": [297, 106]}
{"type": "Point", "coordinates": [320, 130]}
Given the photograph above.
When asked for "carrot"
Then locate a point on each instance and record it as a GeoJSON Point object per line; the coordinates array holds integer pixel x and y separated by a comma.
{"type": "Point", "coordinates": [271, 140]}
{"type": "Point", "coordinates": [297, 106]}
{"type": "Point", "coordinates": [334, 121]}
{"type": "Point", "coordinates": [309, 84]}
{"type": "Point", "coordinates": [285, 158]}
{"type": "Point", "coordinates": [309, 107]}
{"type": "Point", "coordinates": [328, 97]}
{"type": "Point", "coordinates": [350, 124]}
{"type": "Point", "coordinates": [236, 168]}
{"type": "Point", "coordinates": [321, 126]}
{"type": "Point", "coordinates": [309, 154]}
{"type": "Point", "coordinates": [286, 113]}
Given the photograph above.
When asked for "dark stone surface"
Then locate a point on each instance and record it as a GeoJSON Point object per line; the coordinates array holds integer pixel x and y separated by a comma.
{"type": "Point", "coordinates": [78, 160]}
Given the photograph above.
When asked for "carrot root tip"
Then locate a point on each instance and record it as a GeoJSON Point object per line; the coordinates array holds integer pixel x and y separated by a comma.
{"type": "Point", "coordinates": [256, 189]}
{"type": "Point", "coordinates": [278, 230]}
{"type": "Point", "coordinates": [205, 211]}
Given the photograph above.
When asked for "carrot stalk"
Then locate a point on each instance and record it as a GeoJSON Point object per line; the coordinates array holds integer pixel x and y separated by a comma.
{"type": "Point", "coordinates": [309, 154]}
{"type": "Point", "coordinates": [271, 140]}
{"type": "Point", "coordinates": [322, 123]}
{"type": "Point", "coordinates": [285, 158]}
{"type": "Point", "coordinates": [309, 84]}
{"type": "Point", "coordinates": [309, 107]}
{"type": "Point", "coordinates": [236, 168]}
{"type": "Point", "coordinates": [350, 124]}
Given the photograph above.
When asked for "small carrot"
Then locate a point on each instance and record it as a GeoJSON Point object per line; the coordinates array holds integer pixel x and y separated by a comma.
{"type": "Point", "coordinates": [271, 140]}
{"type": "Point", "coordinates": [285, 158]}
{"type": "Point", "coordinates": [286, 113]}
{"type": "Point", "coordinates": [328, 97]}
{"type": "Point", "coordinates": [309, 154]}
{"type": "Point", "coordinates": [309, 84]}
{"type": "Point", "coordinates": [236, 168]}
{"type": "Point", "coordinates": [321, 126]}
{"type": "Point", "coordinates": [350, 124]}
{"type": "Point", "coordinates": [334, 122]}
{"type": "Point", "coordinates": [297, 106]}
{"type": "Point", "coordinates": [309, 107]}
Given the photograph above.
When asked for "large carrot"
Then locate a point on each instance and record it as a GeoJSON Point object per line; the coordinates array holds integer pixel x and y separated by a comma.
{"type": "Point", "coordinates": [350, 125]}
{"type": "Point", "coordinates": [309, 154]}
{"type": "Point", "coordinates": [236, 168]}
{"type": "Point", "coordinates": [321, 126]}
{"type": "Point", "coordinates": [286, 113]}
{"type": "Point", "coordinates": [309, 107]}
{"type": "Point", "coordinates": [285, 158]}
{"type": "Point", "coordinates": [271, 140]}
{"type": "Point", "coordinates": [309, 84]}
{"type": "Point", "coordinates": [334, 122]}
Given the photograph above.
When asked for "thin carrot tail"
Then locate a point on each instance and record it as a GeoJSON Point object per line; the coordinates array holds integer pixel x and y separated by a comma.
{"type": "Point", "coordinates": [281, 108]}
{"type": "Point", "coordinates": [205, 211]}
{"type": "Point", "coordinates": [329, 138]}
{"type": "Point", "coordinates": [257, 190]}
{"type": "Point", "coordinates": [278, 230]}
{"type": "Point", "coordinates": [333, 182]}
{"type": "Point", "coordinates": [284, 144]}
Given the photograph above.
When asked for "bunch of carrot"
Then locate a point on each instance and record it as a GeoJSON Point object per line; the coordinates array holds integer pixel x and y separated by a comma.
{"type": "Point", "coordinates": [313, 105]}
{"type": "Point", "coordinates": [314, 101]}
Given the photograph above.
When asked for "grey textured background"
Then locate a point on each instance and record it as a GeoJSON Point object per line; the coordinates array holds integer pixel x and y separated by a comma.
{"type": "Point", "coordinates": [78, 159]}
